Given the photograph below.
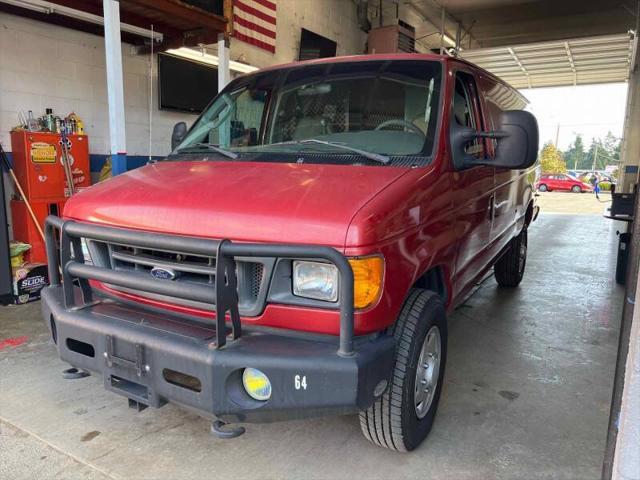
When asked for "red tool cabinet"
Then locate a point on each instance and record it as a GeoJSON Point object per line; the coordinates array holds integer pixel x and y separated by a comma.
{"type": "Point", "coordinates": [38, 166]}
{"type": "Point", "coordinates": [25, 230]}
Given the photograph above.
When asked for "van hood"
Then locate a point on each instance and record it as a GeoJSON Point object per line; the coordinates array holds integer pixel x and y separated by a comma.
{"type": "Point", "coordinates": [244, 201]}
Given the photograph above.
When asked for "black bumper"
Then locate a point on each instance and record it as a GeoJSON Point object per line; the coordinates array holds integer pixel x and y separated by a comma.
{"type": "Point", "coordinates": [153, 358]}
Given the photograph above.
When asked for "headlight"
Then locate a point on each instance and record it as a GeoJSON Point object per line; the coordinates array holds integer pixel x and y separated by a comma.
{"type": "Point", "coordinates": [320, 280]}
{"type": "Point", "coordinates": [368, 273]}
{"type": "Point", "coordinates": [315, 280]}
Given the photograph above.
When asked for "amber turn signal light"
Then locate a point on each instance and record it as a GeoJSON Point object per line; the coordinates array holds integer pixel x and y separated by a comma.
{"type": "Point", "coordinates": [368, 274]}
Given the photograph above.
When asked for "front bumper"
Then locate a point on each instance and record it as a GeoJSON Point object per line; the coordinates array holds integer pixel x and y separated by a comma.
{"type": "Point", "coordinates": [139, 354]}
{"type": "Point", "coordinates": [154, 358]}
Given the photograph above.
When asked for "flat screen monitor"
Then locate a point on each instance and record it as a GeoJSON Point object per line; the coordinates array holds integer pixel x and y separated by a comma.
{"type": "Point", "coordinates": [185, 85]}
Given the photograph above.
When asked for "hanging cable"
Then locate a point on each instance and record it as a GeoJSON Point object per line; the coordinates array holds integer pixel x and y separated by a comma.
{"type": "Point", "coordinates": [151, 94]}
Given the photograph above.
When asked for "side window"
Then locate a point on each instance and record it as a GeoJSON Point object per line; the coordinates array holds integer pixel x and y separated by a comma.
{"type": "Point", "coordinates": [466, 110]}
{"type": "Point", "coordinates": [462, 104]}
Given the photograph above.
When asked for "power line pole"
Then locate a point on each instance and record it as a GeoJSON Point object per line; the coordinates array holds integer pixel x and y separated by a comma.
{"type": "Point", "coordinates": [557, 135]}
{"type": "Point", "coordinates": [595, 158]}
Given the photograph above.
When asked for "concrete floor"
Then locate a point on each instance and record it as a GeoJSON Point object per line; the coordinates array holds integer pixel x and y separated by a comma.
{"type": "Point", "coordinates": [575, 203]}
{"type": "Point", "coordinates": [526, 394]}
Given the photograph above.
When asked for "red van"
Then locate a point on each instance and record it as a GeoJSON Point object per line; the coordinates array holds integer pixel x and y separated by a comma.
{"type": "Point", "coordinates": [297, 253]}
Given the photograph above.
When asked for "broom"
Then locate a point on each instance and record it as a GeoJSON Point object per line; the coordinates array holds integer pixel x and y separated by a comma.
{"type": "Point", "coordinates": [5, 160]}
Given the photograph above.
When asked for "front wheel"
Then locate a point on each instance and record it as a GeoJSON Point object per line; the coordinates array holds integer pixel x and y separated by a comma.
{"type": "Point", "coordinates": [509, 270]}
{"type": "Point", "coordinates": [403, 416]}
{"type": "Point", "coordinates": [543, 188]}
{"type": "Point", "coordinates": [576, 189]}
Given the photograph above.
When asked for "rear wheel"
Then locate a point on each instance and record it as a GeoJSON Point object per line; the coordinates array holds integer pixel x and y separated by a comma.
{"type": "Point", "coordinates": [403, 416]}
{"type": "Point", "coordinates": [543, 188]}
{"type": "Point", "coordinates": [509, 270]}
{"type": "Point", "coordinates": [576, 189]}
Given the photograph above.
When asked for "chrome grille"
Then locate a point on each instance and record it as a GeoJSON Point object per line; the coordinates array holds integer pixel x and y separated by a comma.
{"type": "Point", "coordinates": [190, 268]}
{"type": "Point", "coordinates": [199, 270]}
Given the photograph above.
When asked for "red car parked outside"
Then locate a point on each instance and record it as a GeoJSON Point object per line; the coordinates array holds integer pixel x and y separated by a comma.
{"type": "Point", "coordinates": [560, 182]}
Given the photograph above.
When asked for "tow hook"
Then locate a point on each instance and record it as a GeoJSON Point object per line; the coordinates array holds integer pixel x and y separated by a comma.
{"type": "Point", "coordinates": [73, 373]}
{"type": "Point", "coordinates": [225, 431]}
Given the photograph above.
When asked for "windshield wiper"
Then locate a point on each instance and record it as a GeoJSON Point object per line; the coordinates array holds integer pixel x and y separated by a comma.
{"type": "Point", "coordinates": [378, 157]}
{"type": "Point", "coordinates": [210, 146]}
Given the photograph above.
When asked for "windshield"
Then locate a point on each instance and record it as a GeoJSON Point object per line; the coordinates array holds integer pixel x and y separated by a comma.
{"type": "Point", "coordinates": [372, 112]}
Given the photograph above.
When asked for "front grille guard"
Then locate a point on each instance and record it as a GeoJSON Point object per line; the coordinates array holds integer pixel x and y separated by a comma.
{"type": "Point", "coordinates": [69, 265]}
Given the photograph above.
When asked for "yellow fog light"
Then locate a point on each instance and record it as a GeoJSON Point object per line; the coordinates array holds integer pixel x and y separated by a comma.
{"type": "Point", "coordinates": [256, 384]}
{"type": "Point", "coordinates": [367, 280]}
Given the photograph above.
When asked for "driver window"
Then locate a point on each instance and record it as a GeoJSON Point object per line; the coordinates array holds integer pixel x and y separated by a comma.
{"type": "Point", "coordinates": [465, 110]}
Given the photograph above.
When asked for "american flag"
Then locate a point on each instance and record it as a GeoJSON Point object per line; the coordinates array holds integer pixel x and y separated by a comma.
{"type": "Point", "coordinates": [254, 22]}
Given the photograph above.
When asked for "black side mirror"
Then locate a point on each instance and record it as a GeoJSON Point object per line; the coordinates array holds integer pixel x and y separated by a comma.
{"type": "Point", "coordinates": [518, 147]}
{"type": "Point", "coordinates": [179, 132]}
{"type": "Point", "coordinates": [517, 142]}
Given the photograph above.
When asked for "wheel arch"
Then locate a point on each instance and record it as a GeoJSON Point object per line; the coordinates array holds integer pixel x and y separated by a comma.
{"type": "Point", "coordinates": [528, 216]}
{"type": "Point", "coordinates": [434, 279]}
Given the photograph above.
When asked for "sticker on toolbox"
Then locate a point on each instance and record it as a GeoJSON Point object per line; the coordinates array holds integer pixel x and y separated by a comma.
{"type": "Point", "coordinates": [42, 152]}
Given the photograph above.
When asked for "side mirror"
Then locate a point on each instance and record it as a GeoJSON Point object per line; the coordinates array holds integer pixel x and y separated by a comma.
{"type": "Point", "coordinates": [179, 132]}
{"type": "Point", "coordinates": [518, 148]}
{"type": "Point", "coordinates": [517, 142]}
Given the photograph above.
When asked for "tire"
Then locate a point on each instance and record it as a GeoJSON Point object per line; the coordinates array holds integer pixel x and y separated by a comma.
{"type": "Point", "coordinates": [395, 421]}
{"type": "Point", "coordinates": [543, 188]}
{"type": "Point", "coordinates": [509, 270]}
{"type": "Point", "coordinates": [576, 189]}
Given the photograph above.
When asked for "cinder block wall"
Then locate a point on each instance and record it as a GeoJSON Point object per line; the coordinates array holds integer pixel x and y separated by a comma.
{"type": "Point", "coordinates": [46, 66]}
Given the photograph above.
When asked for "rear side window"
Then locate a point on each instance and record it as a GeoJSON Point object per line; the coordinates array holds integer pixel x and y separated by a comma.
{"type": "Point", "coordinates": [466, 111]}
{"type": "Point", "coordinates": [462, 104]}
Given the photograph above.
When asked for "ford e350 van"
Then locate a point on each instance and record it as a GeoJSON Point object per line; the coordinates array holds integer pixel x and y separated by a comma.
{"type": "Point", "coordinates": [298, 251]}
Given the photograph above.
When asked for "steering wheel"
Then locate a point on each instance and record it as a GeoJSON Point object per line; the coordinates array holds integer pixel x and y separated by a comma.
{"type": "Point", "coordinates": [401, 123]}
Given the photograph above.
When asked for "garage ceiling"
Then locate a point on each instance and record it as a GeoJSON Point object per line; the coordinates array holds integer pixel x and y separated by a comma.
{"type": "Point", "coordinates": [180, 23]}
{"type": "Point", "coordinates": [493, 23]}
{"type": "Point", "coordinates": [603, 59]}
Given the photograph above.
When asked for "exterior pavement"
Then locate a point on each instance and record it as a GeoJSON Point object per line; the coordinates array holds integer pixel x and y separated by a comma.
{"type": "Point", "coordinates": [527, 393]}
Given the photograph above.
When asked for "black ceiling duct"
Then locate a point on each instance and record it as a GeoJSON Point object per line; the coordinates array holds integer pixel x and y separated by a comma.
{"type": "Point", "coordinates": [363, 15]}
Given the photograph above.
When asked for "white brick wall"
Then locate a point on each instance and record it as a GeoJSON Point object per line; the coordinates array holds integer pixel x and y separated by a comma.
{"type": "Point", "coordinates": [44, 66]}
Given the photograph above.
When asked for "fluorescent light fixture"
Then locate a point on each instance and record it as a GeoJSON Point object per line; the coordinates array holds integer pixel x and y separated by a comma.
{"type": "Point", "coordinates": [209, 59]}
{"type": "Point", "coordinates": [49, 8]}
{"type": "Point", "coordinates": [449, 40]}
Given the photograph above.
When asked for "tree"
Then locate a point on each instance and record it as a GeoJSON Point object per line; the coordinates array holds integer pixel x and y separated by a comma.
{"type": "Point", "coordinates": [574, 156]}
{"type": "Point", "coordinates": [550, 160]}
{"type": "Point", "coordinates": [596, 157]}
{"type": "Point", "coordinates": [611, 145]}
{"type": "Point", "coordinates": [602, 152]}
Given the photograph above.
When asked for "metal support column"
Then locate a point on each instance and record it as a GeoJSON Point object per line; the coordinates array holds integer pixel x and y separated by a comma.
{"type": "Point", "coordinates": [630, 154]}
{"type": "Point", "coordinates": [626, 464]}
{"type": "Point", "coordinates": [621, 460]}
{"type": "Point", "coordinates": [224, 74]}
{"type": "Point", "coordinates": [115, 88]}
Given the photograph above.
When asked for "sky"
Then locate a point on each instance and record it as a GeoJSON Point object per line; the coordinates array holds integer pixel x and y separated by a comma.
{"type": "Point", "coordinates": [589, 110]}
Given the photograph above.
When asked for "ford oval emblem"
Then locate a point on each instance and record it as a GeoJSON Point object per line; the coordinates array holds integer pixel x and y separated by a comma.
{"type": "Point", "coordinates": [162, 273]}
